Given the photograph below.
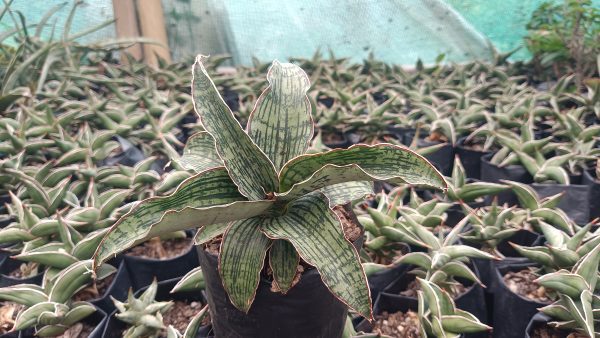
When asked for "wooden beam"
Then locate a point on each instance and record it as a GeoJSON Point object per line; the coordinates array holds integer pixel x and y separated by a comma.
{"type": "Point", "coordinates": [127, 25]}
{"type": "Point", "coordinates": [152, 26]}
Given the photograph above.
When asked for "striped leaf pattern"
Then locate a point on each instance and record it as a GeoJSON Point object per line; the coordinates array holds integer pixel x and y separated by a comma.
{"type": "Point", "coordinates": [199, 153]}
{"type": "Point", "coordinates": [283, 260]}
{"type": "Point", "coordinates": [343, 193]}
{"type": "Point", "coordinates": [316, 233]}
{"type": "Point", "coordinates": [241, 260]}
{"type": "Point", "coordinates": [385, 162]}
{"type": "Point", "coordinates": [208, 232]}
{"type": "Point", "coordinates": [249, 167]}
{"type": "Point", "coordinates": [208, 197]}
{"type": "Point", "coordinates": [281, 123]}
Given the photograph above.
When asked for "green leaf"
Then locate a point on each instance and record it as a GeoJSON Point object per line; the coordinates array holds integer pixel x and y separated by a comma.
{"type": "Point", "coordinates": [342, 193]}
{"type": "Point", "coordinates": [570, 284]}
{"type": "Point", "coordinates": [71, 279]}
{"type": "Point", "coordinates": [283, 260]}
{"type": "Point", "coordinates": [191, 330]}
{"type": "Point", "coordinates": [241, 260]}
{"type": "Point", "coordinates": [281, 123]}
{"type": "Point", "coordinates": [316, 233]}
{"type": "Point", "coordinates": [587, 267]}
{"type": "Point", "coordinates": [208, 232]}
{"type": "Point", "coordinates": [384, 162]}
{"type": "Point", "coordinates": [192, 281]}
{"type": "Point", "coordinates": [199, 153]}
{"type": "Point", "coordinates": [250, 169]}
{"type": "Point", "coordinates": [26, 294]}
{"type": "Point", "coordinates": [206, 198]}
{"type": "Point", "coordinates": [456, 323]}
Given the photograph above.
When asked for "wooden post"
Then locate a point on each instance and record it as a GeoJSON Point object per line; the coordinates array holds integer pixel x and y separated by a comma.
{"type": "Point", "coordinates": [152, 26]}
{"type": "Point", "coordinates": [127, 25]}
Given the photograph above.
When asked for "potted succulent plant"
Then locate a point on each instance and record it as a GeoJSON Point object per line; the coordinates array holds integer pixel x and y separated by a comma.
{"type": "Point", "coordinates": [277, 201]}
{"type": "Point", "coordinates": [591, 178]}
{"type": "Point", "coordinates": [433, 314]}
{"type": "Point", "coordinates": [154, 312]}
{"type": "Point", "coordinates": [51, 311]}
{"type": "Point", "coordinates": [445, 263]}
{"type": "Point", "coordinates": [518, 293]}
{"type": "Point", "coordinates": [573, 311]}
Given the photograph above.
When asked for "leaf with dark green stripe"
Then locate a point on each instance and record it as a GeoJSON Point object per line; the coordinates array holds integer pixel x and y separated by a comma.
{"type": "Point", "coordinates": [199, 153]}
{"type": "Point", "coordinates": [343, 193]}
{"type": "Point", "coordinates": [206, 198]}
{"type": "Point", "coordinates": [281, 123]}
{"type": "Point", "coordinates": [208, 232]}
{"type": "Point", "coordinates": [316, 233]}
{"type": "Point", "coordinates": [250, 169]}
{"type": "Point", "coordinates": [383, 162]}
{"type": "Point", "coordinates": [283, 260]}
{"type": "Point", "coordinates": [241, 260]}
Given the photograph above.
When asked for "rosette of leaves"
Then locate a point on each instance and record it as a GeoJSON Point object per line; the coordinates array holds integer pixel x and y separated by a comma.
{"type": "Point", "coordinates": [69, 247]}
{"type": "Point", "coordinates": [267, 194]}
{"type": "Point", "coordinates": [431, 213]}
{"type": "Point", "coordinates": [459, 189]}
{"type": "Point", "coordinates": [49, 309]}
{"type": "Point", "coordinates": [444, 259]}
{"type": "Point", "coordinates": [490, 226]}
{"type": "Point", "coordinates": [581, 141]}
{"type": "Point", "coordinates": [439, 316]}
{"type": "Point", "coordinates": [544, 209]}
{"type": "Point", "coordinates": [526, 150]}
{"type": "Point", "coordinates": [143, 314]}
{"type": "Point", "coordinates": [562, 251]}
{"type": "Point", "coordinates": [378, 248]}
{"type": "Point", "coordinates": [577, 304]}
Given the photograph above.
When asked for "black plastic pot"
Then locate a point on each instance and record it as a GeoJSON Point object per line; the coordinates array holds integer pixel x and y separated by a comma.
{"type": "Point", "coordinates": [401, 133]}
{"type": "Point", "coordinates": [575, 201]}
{"type": "Point", "coordinates": [309, 309]}
{"type": "Point", "coordinates": [5, 220]}
{"type": "Point", "coordinates": [96, 320]}
{"type": "Point", "coordinates": [486, 267]}
{"type": "Point", "coordinates": [390, 304]}
{"type": "Point", "coordinates": [9, 265]}
{"type": "Point", "coordinates": [442, 159]}
{"type": "Point", "coordinates": [129, 157]}
{"type": "Point", "coordinates": [347, 139]}
{"type": "Point", "coordinates": [473, 300]}
{"type": "Point", "coordinates": [118, 289]}
{"type": "Point", "coordinates": [380, 280]}
{"type": "Point", "coordinates": [540, 320]}
{"type": "Point", "coordinates": [142, 271]}
{"type": "Point", "coordinates": [470, 158]}
{"type": "Point", "coordinates": [594, 195]}
{"type": "Point", "coordinates": [115, 327]}
{"type": "Point", "coordinates": [455, 213]}
{"type": "Point", "coordinates": [493, 173]}
{"type": "Point", "coordinates": [511, 311]}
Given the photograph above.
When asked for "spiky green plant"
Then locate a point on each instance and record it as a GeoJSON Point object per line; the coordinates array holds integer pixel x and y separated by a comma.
{"type": "Point", "coordinates": [143, 314]}
{"type": "Point", "coordinates": [562, 251]}
{"type": "Point", "coordinates": [270, 196]}
{"type": "Point", "coordinates": [50, 309]}
{"type": "Point", "coordinates": [533, 154]}
{"type": "Point", "coordinates": [439, 316]}
{"type": "Point", "coordinates": [444, 260]}
{"type": "Point", "coordinates": [490, 226]}
{"type": "Point", "coordinates": [540, 208]}
{"type": "Point", "coordinates": [577, 304]}
{"type": "Point", "coordinates": [461, 190]}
